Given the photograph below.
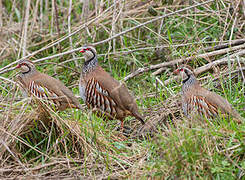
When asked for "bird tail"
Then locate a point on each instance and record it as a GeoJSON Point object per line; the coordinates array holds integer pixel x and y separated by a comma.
{"type": "Point", "coordinates": [237, 117]}
{"type": "Point", "coordinates": [139, 117]}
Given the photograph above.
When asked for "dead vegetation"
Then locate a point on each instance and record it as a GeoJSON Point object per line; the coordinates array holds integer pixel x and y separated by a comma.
{"type": "Point", "coordinates": [78, 144]}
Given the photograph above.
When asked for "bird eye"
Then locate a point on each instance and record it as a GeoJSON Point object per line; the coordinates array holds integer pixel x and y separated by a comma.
{"type": "Point", "coordinates": [181, 69]}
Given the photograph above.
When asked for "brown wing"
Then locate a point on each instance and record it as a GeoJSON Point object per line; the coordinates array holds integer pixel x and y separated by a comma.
{"type": "Point", "coordinates": [98, 97]}
{"type": "Point", "coordinates": [58, 88]}
{"type": "Point", "coordinates": [215, 100]}
{"type": "Point", "coordinates": [117, 91]}
{"type": "Point", "coordinates": [43, 93]}
{"type": "Point", "coordinates": [202, 106]}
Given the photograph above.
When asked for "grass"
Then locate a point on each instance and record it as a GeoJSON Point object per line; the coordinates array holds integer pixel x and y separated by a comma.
{"type": "Point", "coordinates": [78, 144]}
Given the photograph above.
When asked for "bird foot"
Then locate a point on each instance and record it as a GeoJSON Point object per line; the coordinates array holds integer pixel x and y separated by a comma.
{"type": "Point", "coordinates": [126, 131]}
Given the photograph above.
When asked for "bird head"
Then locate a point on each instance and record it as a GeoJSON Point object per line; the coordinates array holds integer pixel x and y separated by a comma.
{"type": "Point", "coordinates": [185, 71]}
{"type": "Point", "coordinates": [89, 52]}
{"type": "Point", "coordinates": [26, 66]}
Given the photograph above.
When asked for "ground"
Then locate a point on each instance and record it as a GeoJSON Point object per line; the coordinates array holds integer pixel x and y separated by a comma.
{"type": "Point", "coordinates": [76, 143]}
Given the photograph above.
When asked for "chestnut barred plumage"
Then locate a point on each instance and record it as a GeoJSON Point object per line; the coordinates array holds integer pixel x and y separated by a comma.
{"type": "Point", "coordinates": [197, 98]}
{"type": "Point", "coordinates": [102, 92]}
{"type": "Point", "coordinates": [45, 87]}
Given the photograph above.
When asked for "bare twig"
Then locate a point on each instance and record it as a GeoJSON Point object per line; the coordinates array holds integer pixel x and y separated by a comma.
{"type": "Point", "coordinates": [24, 37]}
{"type": "Point", "coordinates": [208, 66]}
{"type": "Point", "coordinates": [34, 18]}
{"type": "Point", "coordinates": [1, 13]}
{"type": "Point", "coordinates": [84, 17]}
{"type": "Point", "coordinates": [225, 45]}
{"type": "Point", "coordinates": [151, 21]}
{"type": "Point", "coordinates": [56, 18]}
{"type": "Point", "coordinates": [113, 25]}
{"type": "Point", "coordinates": [220, 61]}
{"type": "Point", "coordinates": [165, 87]}
{"type": "Point", "coordinates": [41, 15]}
{"type": "Point", "coordinates": [100, 42]}
{"type": "Point", "coordinates": [181, 60]}
{"type": "Point", "coordinates": [69, 30]}
{"type": "Point", "coordinates": [15, 157]}
{"type": "Point", "coordinates": [240, 68]}
{"type": "Point", "coordinates": [159, 71]}
{"type": "Point", "coordinates": [6, 79]}
{"type": "Point", "coordinates": [52, 18]}
{"type": "Point", "coordinates": [43, 166]}
{"type": "Point", "coordinates": [55, 43]}
{"type": "Point", "coordinates": [20, 140]}
{"type": "Point", "coordinates": [235, 20]}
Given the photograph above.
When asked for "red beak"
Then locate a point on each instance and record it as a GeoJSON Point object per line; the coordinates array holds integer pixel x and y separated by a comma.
{"type": "Point", "coordinates": [82, 51]}
{"type": "Point", "coordinates": [18, 66]}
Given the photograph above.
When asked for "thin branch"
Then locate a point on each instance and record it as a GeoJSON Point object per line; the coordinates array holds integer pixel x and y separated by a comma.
{"type": "Point", "coordinates": [1, 13]}
{"type": "Point", "coordinates": [220, 61]}
{"type": "Point", "coordinates": [56, 17]}
{"type": "Point", "coordinates": [69, 30]}
{"type": "Point", "coordinates": [240, 68]}
{"type": "Point", "coordinates": [12, 153]}
{"type": "Point", "coordinates": [235, 20]}
{"type": "Point", "coordinates": [34, 20]}
{"type": "Point", "coordinates": [52, 19]}
{"type": "Point", "coordinates": [165, 87]}
{"type": "Point", "coordinates": [41, 15]}
{"type": "Point", "coordinates": [208, 66]}
{"type": "Point", "coordinates": [182, 60]}
{"type": "Point", "coordinates": [55, 43]}
{"type": "Point", "coordinates": [26, 27]}
{"type": "Point", "coordinates": [225, 45]}
{"type": "Point", "coordinates": [100, 42]}
{"type": "Point", "coordinates": [151, 21]}
{"type": "Point", "coordinates": [40, 166]}
{"type": "Point", "coordinates": [9, 80]}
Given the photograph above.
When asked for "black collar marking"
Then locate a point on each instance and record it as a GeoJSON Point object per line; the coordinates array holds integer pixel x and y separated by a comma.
{"type": "Point", "coordinates": [87, 62]}
{"type": "Point", "coordinates": [188, 76]}
{"type": "Point", "coordinates": [29, 69]}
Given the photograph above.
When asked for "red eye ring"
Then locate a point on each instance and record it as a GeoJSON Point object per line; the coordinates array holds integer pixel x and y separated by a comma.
{"type": "Point", "coordinates": [21, 64]}
{"type": "Point", "coordinates": [84, 50]}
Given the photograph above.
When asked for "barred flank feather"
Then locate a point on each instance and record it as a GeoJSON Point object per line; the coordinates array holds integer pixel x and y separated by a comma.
{"type": "Point", "coordinates": [44, 93]}
{"type": "Point", "coordinates": [98, 97]}
{"type": "Point", "coordinates": [45, 87]}
{"type": "Point", "coordinates": [202, 106]}
{"type": "Point", "coordinates": [102, 92]}
{"type": "Point", "coordinates": [197, 98]}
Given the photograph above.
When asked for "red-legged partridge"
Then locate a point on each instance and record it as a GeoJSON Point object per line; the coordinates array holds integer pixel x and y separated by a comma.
{"type": "Point", "coordinates": [197, 98]}
{"type": "Point", "coordinates": [103, 93]}
{"type": "Point", "coordinates": [45, 87]}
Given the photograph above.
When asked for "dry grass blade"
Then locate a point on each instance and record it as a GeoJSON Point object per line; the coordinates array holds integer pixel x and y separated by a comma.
{"type": "Point", "coordinates": [26, 21]}
{"type": "Point", "coordinates": [97, 43]}
{"type": "Point", "coordinates": [159, 116]}
{"type": "Point", "coordinates": [3, 70]}
{"type": "Point", "coordinates": [1, 13]}
{"type": "Point", "coordinates": [141, 39]}
{"type": "Point", "coordinates": [187, 59]}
